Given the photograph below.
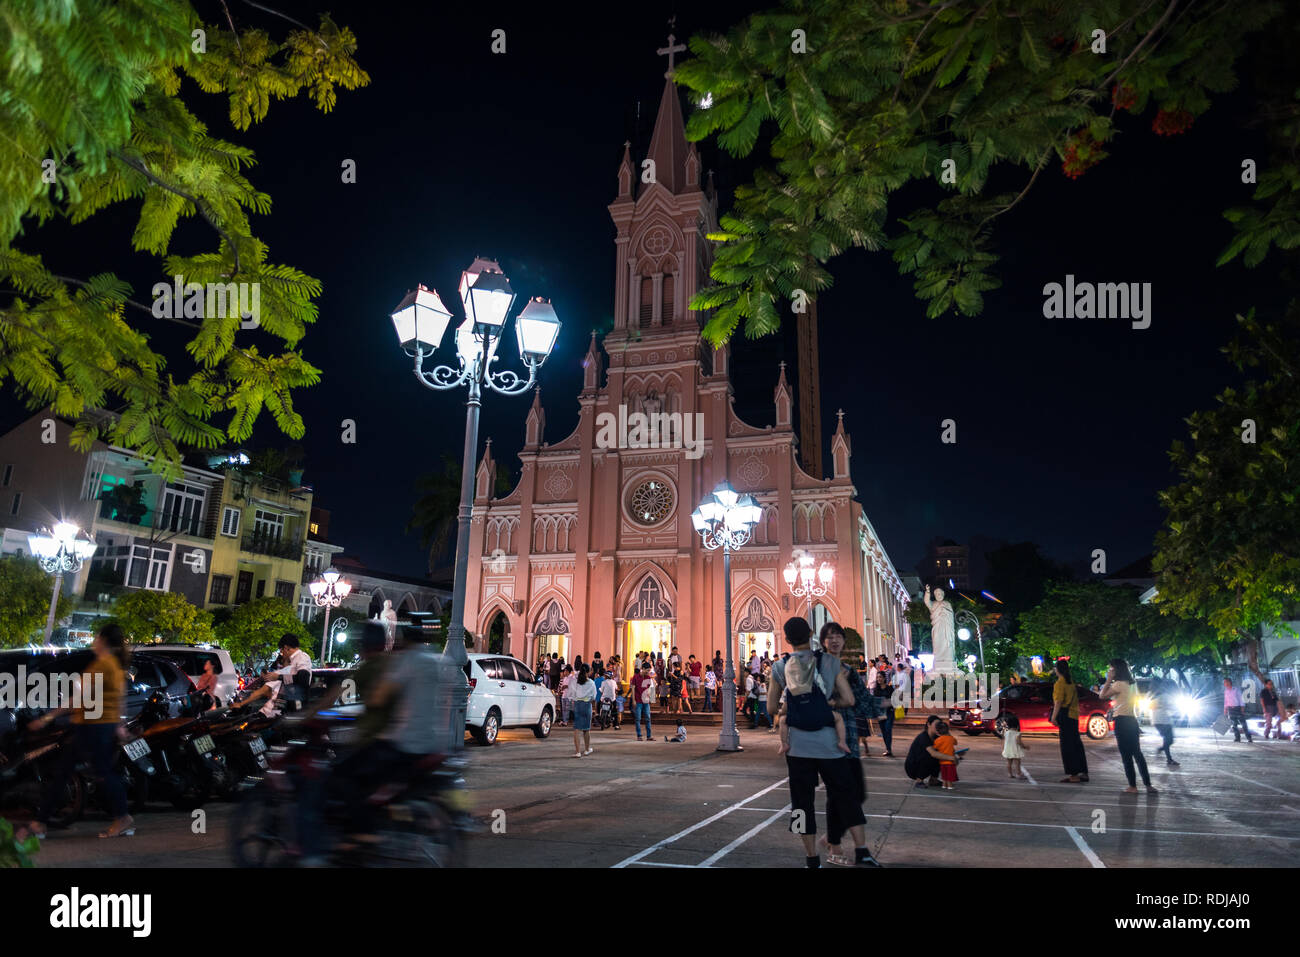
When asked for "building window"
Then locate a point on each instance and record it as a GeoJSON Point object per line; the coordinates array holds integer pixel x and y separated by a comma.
{"type": "Point", "coordinates": [267, 526]}
{"type": "Point", "coordinates": [183, 507]}
{"type": "Point", "coordinates": [230, 522]}
{"type": "Point", "coordinates": [110, 562]}
{"type": "Point", "coordinates": [9, 474]}
{"type": "Point", "coordinates": [16, 504]}
{"type": "Point", "coordinates": [149, 567]}
{"type": "Point", "coordinates": [315, 529]}
{"type": "Point", "coordinates": [244, 588]}
{"type": "Point", "coordinates": [220, 590]}
{"type": "Point", "coordinates": [306, 607]}
{"type": "Point", "coordinates": [284, 590]}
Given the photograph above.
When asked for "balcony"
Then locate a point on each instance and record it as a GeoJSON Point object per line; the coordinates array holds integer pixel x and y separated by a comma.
{"type": "Point", "coordinates": [143, 517]}
{"type": "Point", "coordinates": [272, 547]}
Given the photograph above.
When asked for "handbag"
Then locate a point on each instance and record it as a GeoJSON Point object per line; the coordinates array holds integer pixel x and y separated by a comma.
{"type": "Point", "coordinates": [899, 713]}
{"type": "Point", "coordinates": [1221, 724]}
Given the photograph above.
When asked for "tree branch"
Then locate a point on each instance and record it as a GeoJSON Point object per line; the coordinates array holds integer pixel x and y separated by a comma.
{"type": "Point", "coordinates": [1042, 164]}
{"type": "Point", "coordinates": [139, 167]}
{"type": "Point", "coordinates": [1143, 42]}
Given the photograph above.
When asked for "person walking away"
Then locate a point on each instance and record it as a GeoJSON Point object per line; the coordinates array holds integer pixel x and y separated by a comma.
{"type": "Point", "coordinates": [1232, 707]}
{"type": "Point", "coordinates": [852, 718]}
{"type": "Point", "coordinates": [1013, 748]}
{"type": "Point", "coordinates": [94, 733]}
{"type": "Point", "coordinates": [813, 751]}
{"type": "Point", "coordinates": [947, 744]}
{"type": "Point", "coordinates": [674, 688]}
{"type": "Point", "coordinates": [556, 672]}
{"type": "Point", "coordinates": [751, 699]}
{"type": "Point", "coordinates": [1065, 715]}
{"type": "Point", "coordinates": [1119, 689]}
{"type": "Point", "coordinates": [710, 686]}
{"type": "Point", "coordinates": [643, 695]}
{"type": "Point", "coordinates": [922, 761]}
{"type": "Point", "coordinates": [1162, 716]}
{"type": "Point", "coordinates": [584, 693]}
{"type": "Point", "coordinates": [1272, 707]}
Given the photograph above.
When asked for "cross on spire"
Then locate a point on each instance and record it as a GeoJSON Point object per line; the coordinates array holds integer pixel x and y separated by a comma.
{"type": "Point", "coordinates": [672, 48]}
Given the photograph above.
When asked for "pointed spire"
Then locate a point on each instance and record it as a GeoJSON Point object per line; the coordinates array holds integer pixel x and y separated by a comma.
{"type": "Point", "coordinates": [536, 422]}
{"type": "Point", "coordinates": [841, 449]}
{"type": "Point", "coordinates": [485, 479]}
{"type": "Point", "coordinates": [668, 142]}
{"type": "Point", "coordinates": [782, 397]}
{"type": "Point", "coordinates": [591, 366]}
{"type": "Point", "coordinates": [626, 173]}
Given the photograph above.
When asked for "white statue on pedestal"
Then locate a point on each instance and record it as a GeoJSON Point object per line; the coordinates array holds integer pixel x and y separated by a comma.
{"type": "Point", "coordinates": [389, 617]}
{"type": "Point", "coordinates": [942, 633]}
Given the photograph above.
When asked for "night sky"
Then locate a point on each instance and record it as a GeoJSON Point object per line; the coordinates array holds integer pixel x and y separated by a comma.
{"type": "Point", "coordinates": [1063, 425]}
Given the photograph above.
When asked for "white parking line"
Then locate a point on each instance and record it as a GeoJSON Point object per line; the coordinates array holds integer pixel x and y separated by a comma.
{"type": "Point", "coordinates": [1083, 846]}
{"type": "Point", "coordinates": [713, 858]}
{"type": "Point", "coordinates": [636, 858]}
{"type": "Point", "coordinates": [1260, 783]}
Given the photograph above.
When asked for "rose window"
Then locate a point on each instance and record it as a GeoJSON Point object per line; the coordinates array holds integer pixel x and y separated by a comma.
{"type": "Point", "coordinates": [651, 502]}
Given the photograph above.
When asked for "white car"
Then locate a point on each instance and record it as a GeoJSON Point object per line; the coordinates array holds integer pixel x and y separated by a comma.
{"type": "Point", "coordinates": [503, 693]}
{"type": "Point", "coordinates": [190, 659]}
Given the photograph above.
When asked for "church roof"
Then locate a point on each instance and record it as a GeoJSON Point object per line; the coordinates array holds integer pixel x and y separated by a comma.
{"type": "Point", "coordinates": [668, 146]}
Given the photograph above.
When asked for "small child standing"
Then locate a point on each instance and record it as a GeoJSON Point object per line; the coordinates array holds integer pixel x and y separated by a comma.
{"type": "Point", "coordinates": [1013, 749]}
{"type": "Point", "coordinates": [680, 736]}
{"type": "Point", "coordinates": [947, 766]}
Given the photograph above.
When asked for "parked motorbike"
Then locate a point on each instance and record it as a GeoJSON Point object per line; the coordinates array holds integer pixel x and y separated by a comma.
{"type": "Point", "coordinates": [188, 766]}
{"type": "Point", "coordinates": [420, 819]}
{"type": "Point", "coordinates": [28, 759]}
{"type": "Point", "coordinates": [238, 733]}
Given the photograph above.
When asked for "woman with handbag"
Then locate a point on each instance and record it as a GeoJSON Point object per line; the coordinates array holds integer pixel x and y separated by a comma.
{"type": "Point", "coordinates": [1065, 715]}
{"type": "Point", "coordinates": [881, 695]}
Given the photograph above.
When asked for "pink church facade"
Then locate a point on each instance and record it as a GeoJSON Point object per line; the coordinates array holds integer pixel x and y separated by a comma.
{"type": "Point", "coordinates": [594, 549]}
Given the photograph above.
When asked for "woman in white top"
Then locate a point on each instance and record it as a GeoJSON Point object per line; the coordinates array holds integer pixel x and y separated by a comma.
{"type": "Point", "coordinates": [1119, 688]}
{"type": "Point", "coordinates": [583, 690]}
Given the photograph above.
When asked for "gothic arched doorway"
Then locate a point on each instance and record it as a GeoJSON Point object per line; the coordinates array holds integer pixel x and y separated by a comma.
{"type": "Point", "coordinates": [498, 634]}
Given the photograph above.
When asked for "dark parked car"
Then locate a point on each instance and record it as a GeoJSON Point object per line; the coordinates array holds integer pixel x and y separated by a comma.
{"type": "Point", "coordinates": [147, 672]}
{"type": "Point", "coordinates": [1031, 702]}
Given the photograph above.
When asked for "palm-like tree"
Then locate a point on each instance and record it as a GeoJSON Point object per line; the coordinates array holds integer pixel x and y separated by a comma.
{"type": "Point", "coordinates": [435, 512]}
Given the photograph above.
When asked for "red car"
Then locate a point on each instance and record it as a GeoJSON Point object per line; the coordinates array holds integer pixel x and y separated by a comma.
{"type": "Point", "coordinates": [1031, 702]}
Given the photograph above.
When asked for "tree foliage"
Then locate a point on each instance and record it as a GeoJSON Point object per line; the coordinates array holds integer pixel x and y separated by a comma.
{"type": "Point", "coordinates": [1092, 622]}
{"type": "Point", "coordinates": [149, 615]}
{"type": "Point", "coordinates": [94, 115]}
{"type": "Point", "coordinates": [852, 102]}
{"type": "Point", "coordinates": [1227, 553]}
{"type": "Point", "coordinates": [436, 511]}
{"type": "Point", "coordinates": [253, 630]}
{"type": "Point", "coordinates": [25, 592]}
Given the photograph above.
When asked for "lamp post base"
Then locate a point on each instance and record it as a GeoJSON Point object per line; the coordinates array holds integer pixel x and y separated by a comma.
{"type": "Point", "coordinates": [730, 746]}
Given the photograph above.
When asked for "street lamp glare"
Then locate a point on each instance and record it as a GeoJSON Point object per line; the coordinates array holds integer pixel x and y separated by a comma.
{"type": "Point", "coordinates": [536, 328]}
{"type": "Point", "coordinates": [420, 321]}
{"type": "Point", "coordinates": [963, 634]}
{"type": "Point", "coordinates": [790, 574]}
{"type": "Point", "coordinates": [485, 291]}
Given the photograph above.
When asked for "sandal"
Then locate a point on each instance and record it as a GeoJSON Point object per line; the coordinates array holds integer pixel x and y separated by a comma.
{"type": "Point", "coordinates": [121, 828]}
{"type": "Point", "coordinates": [1072, 780]}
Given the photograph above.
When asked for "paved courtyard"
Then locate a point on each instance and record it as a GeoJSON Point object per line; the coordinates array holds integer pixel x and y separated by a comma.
{"type": "Point", "coordinates": [663, 805]}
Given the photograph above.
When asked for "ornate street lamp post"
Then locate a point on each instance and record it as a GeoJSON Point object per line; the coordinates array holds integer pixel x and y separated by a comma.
{"type": "Point", "coordinates": [726, 520]}
{"type": "Point", "coordinates": [967, 619]}
{"type": "Point", "coordinates": [328, 592]}
{"type": "Point", "coordinates": [420, 321]}
{"type": "Point", "coordinates": [804, 581]}
{"type": "Point", "coordinates": [59, 550]}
